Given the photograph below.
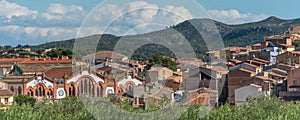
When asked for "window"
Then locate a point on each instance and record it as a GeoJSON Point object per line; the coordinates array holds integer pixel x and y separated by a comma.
{"type": "Point", "coordinates": [295, 82]}
{"type": "Point", "coordinates": [6, 100]}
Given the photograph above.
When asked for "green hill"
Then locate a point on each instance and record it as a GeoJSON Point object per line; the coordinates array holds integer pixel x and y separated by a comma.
{"type": "Point", "coordinates": [233, 35]}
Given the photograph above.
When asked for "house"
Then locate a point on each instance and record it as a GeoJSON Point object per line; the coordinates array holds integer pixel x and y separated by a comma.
{"type": "Point", "coordinates": [60, 82]}
{"type": "Point", "coordinates": [281, 41]}
{"type": "Point", "coordinates": [235, 77]}
{"type": "Point", "coordinates": [174, 82]}
{"type": "Point", "coordinates": [293, 80]}
{"type": "Point", "coordinates": [256, 46]}
{"type": "Point", "coordinates": [242, 94]}
{"type": "Point", "coordinates": [104, 56]}
{"type": "Point", "coordinates": [6, 97]}
{"type": "Point", "coordinates": [157, 73]}
{"type": "Point", "coordinates": [128, 83]}
{"type": "Point", "coordinates": [270, 52]}
{"type": "Point", "coordinates": [290, 57]}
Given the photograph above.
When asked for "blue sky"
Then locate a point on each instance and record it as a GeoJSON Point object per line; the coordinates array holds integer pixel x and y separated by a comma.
{"type": "Point", "coordinates": [40, 21]}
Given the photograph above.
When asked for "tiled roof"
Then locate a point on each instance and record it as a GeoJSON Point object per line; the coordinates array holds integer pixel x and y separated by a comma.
{"type": "Point", "coordinates": [6, 92]}
{"type": "Point", "coordinates": [105, 54]}
{"type": "Point", "coordinates": [6, 65]}
{"type": "Point", "coordinates": [174, 79]}
{"type": "Point", "coordinates": [264, 78]}
{"type": "Point", "coordinates": [280, 70]}
{"type": "Point", "coordinates": [12, 60]}
{"type": "Point", "coordinates": [244, 70]}
{"type": "Point", "coordinates": [47, 61]}
{"type": "Point", "coordinates": [35, 67]}
{"type": "Point", "coordinates": [275, 74]}
{"type": "Point", "coordinates": [18, 76]}
{"type": "Point", "coordinates": [251, 64]}
{"type": "Point", "coordinates": [59, 72]}
{"type": "Point", "coordinates": [261, 60]}
{"type": "Point", "coordinates": [104, 69]}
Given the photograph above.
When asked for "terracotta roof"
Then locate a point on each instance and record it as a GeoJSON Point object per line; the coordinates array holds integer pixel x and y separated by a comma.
{"type": "Point", "coordinates": [105, 54]}
{"type": "Point", "coordinates": [6, 92]}
{"type": "Point", "coordinates": [59, 72]}
{"type": "Point", "coordinates": [104, 69]}
{"type": "Point", "coordinates": [47, 61]}
{"type": "Point", "coordinates": [261, 60]}
{"type": "Point", "coordinates": [204, 98]}
{"type": "Point", "coordinates": [12, 60]}
{"type": "Point", "coordinates": [174, 79]}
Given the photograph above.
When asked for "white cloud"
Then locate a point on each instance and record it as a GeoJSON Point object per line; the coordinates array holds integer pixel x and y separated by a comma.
{"type": "Point", "coordinates": [10, 10]}
{"type": "Point", "coordinates": [62, 21]}
{"type": "Point", "coordinates": [59, 12]}
{"type": "Point", "coordinates": [135, 17]}
{"type": "Point", "coordinates": [233, 16]}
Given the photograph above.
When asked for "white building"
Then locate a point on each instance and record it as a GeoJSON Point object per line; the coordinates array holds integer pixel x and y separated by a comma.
{"type": "Point", "coordinates": [6, 97]}
{"type": "Point", "coordinates": [242, 94]}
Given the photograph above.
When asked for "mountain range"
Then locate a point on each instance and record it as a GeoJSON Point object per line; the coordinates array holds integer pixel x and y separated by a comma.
{"type": "Point", "coordinates": [232, 35]}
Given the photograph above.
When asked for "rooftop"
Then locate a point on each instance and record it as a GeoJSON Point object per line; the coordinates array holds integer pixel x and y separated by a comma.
{"type": "Point", "coordinates": [105, 54]}
{"type": "Point", "coordinates": [6, 92]}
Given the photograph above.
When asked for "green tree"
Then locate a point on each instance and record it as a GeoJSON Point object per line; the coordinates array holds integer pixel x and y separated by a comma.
{"type": "Point", "coordinates": [24, 99]}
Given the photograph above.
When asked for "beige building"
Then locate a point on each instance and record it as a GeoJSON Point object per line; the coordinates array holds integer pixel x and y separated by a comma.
{"type": "Point", "coordinates": [244, 93]}
{"type": "Point", "coordinates": [158, 74]}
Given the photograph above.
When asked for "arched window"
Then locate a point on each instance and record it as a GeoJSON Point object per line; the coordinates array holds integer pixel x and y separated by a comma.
{"type": "Point", "coordinates": [92, 90]}
{"type": "Point", "coordinates": [72, 90]}
{"type": "Point", "coordinates": [19, 90]}
{"type": "Point", "coordinates": [81, 87]}
{"type": "Point", "coordinates": [12, 89]}
{"type": "Point", "coordinates": [40, 92]}
{"type": "Point", "coordinates": [49, 94]}
{"type": "Point", "coordinates": [85, 87]}
{"type": "Point", "coordinates": [99, 91]}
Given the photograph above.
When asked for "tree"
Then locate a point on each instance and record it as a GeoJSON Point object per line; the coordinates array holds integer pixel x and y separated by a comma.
{"type": "Point", "coordinates": [162, 61]}
{"type": "Point", "coordinates": [24, 99]}
{"type": "Point", "coordinates": [7, 47]}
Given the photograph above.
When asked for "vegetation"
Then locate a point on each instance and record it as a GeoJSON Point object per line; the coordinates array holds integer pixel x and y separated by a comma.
{"type": "Point", "coordinates": [73, 108]}
{"type": "Point", "coordinates": [24, 100]}
{"type": "Point", "coordinates": [55, 53]}
{"type": "Point", "coordinates": [232, 35]}
{"type": "Point", "coordinates": [162, 61]}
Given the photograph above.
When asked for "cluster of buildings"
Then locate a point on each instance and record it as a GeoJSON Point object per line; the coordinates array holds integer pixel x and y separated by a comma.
{"type": "Point", "coordinates": [269, 68]}
{"type": "Point", "coordinates": [233, 75]}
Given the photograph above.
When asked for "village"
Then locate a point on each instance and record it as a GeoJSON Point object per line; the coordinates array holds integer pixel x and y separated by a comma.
{"type": "Point", "coordinates": [231, 75]}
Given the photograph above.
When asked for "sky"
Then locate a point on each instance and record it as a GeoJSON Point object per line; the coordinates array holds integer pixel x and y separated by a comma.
{"type": "Point", "coordinates": [35, 22]}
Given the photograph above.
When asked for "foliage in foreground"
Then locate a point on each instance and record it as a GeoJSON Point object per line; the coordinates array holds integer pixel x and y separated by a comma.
{"type": "Point", "coordinates": [259, 109]}
{"type": "Point", "coordinates": [73, 108]}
